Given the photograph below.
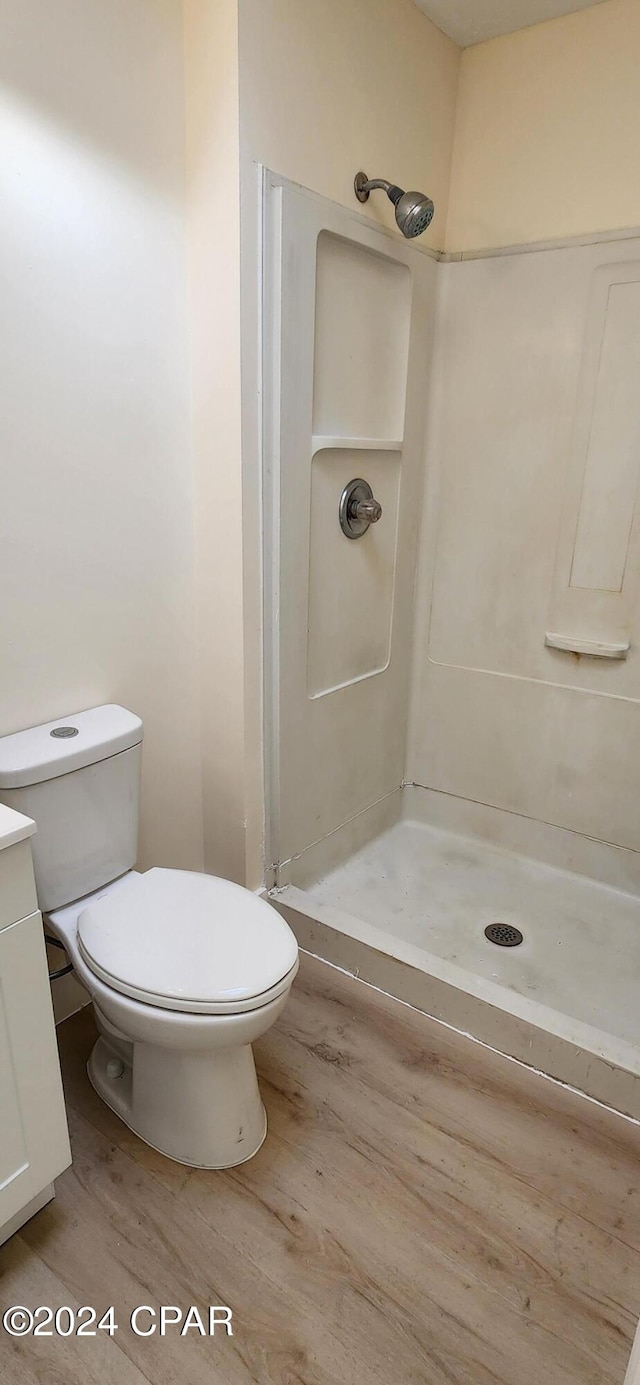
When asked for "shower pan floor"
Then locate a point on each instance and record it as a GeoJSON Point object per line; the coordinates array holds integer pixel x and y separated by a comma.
{"type": "Point", "coordinates": [423, 895]}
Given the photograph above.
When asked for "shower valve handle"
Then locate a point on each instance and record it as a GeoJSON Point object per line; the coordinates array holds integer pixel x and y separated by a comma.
{"type": "Point", "coordinates": [358, 508]}
{"type": "Point", "coordinates": [370, 511]}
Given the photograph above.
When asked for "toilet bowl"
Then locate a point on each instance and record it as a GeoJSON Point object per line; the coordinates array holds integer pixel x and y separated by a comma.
{"type": "Point", "coordinates": [185, 972]}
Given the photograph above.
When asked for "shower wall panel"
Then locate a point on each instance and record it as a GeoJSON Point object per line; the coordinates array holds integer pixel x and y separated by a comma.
{"type": "Point", "coordinates": [530, 538]}
{"type": "Point", "coordinates": [351, 582]}
{"type": "Point", "coordinates": [348, 324]}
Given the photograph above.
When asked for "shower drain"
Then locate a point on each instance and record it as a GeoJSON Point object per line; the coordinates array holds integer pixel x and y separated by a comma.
{"type": "Point", "coordinates": [504, 934]}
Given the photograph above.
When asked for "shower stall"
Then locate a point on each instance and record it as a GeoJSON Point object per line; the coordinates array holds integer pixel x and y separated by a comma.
{"type": "Point", "coordinates": [451, 694]}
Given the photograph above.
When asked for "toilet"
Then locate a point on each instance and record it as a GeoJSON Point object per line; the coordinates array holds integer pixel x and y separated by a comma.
{"type": "Point", "coordinates": [184, 970]}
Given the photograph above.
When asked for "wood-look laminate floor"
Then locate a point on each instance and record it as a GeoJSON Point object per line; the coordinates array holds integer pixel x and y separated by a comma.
{"type": "Point", "coordinates": [422, 1212]}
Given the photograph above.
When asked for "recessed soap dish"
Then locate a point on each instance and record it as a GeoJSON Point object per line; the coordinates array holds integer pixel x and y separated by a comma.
{"type": "Point", "coordinates": [597, 649]}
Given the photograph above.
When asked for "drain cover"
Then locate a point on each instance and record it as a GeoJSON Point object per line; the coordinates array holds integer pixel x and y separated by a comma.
{"type": "Point", "coordinates": [504, 934]}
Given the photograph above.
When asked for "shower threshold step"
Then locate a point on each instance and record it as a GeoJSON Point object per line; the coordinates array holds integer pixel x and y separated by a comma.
{"type": "Point", "coordinates": [407, 912]}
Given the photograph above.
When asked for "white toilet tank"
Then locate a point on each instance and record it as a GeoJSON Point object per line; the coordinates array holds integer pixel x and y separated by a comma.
{"type": "Point", "coordinates": [79, 779]}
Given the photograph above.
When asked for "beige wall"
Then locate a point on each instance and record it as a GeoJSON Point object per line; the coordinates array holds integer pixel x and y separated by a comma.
{"type": "Point", "coordinates": [548, 131]}
{"type": "Point", "coordinates": [329, 88]}
{"type": "Point", "coordinates": [211, 59]}
{"type": "Point", "coordinates": [117, 597]}
{"type": "Point", "coordinates": [96, 549]}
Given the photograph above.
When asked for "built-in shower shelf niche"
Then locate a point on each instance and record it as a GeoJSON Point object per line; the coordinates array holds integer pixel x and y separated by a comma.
{"type": "Point", "coordinates": [324, 444]}
{"type": "Point", "coordinates": [360, 359]}
{"type": "Point", "coordinates": [594, 649]}
{"type": "Point", "coordinates": [598, 564]}
{"type": "Point", "coordinates": [361, 351]}
{"type": "Point", "coordinates": [348, 320]}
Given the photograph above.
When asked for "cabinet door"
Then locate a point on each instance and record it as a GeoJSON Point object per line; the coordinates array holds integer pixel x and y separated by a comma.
{"type": "Point", "coordinates": [34, 1143]}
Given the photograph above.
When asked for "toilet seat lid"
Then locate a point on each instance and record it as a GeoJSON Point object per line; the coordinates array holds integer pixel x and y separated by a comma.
{"type": "Point", "coordinates": [188, 941]}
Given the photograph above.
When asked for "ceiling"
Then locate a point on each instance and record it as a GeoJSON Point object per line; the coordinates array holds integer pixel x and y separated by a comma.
{"type": "Point", "coordinates": [473, 21]}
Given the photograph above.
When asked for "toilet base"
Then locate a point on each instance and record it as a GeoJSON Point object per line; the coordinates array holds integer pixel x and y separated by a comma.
{"type": "Point", "coordinates": [199, 1108]}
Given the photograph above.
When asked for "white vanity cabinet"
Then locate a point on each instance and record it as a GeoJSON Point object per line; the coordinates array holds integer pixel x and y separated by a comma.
{"type": "Point", "coordinates": [34, 1142]}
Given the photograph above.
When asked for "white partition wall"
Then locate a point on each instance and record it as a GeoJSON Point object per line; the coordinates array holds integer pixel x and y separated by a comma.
{"type": "Point", "coordinates": [348, 323]}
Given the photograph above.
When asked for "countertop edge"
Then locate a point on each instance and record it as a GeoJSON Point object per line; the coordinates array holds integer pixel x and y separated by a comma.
{"type": "Point", "coordinates": [14, 827]}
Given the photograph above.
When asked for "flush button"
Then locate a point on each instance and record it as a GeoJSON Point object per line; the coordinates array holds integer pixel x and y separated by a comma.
{"type": "Point", "coordinates": [64, 733]}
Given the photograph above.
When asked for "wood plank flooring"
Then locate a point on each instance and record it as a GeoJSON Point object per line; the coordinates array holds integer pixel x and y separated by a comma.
{"type": "Point", "coordinates": [422, 1212]}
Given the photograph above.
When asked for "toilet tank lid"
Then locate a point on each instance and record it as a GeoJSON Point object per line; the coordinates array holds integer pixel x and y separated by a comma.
{"type": "Point", "coordinates": [70, 743]}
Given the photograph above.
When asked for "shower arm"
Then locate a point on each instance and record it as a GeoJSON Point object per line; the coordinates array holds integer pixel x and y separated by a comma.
{"type": "Point", "coordinates": [363, 186]}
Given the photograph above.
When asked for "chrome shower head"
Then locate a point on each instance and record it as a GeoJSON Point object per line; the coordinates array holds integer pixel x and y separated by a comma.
{"type": "Point", "coordinates": [414, 210]}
